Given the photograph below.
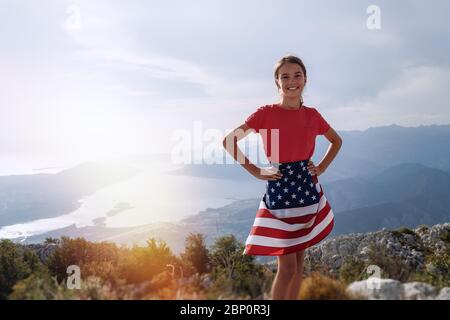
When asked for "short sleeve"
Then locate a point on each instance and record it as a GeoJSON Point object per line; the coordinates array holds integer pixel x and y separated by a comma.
{"type": "Point", "coordinates": [322, 125]}
{"type": "Point", "coordinates": [255, 120]}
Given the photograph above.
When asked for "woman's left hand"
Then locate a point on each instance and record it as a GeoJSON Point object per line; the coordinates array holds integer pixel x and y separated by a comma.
{"type": "Point", "coordinates": [315, 170]}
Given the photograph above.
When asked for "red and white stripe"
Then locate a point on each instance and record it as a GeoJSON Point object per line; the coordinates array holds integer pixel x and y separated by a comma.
{"type": "Point", "coordinates": [282, 231]}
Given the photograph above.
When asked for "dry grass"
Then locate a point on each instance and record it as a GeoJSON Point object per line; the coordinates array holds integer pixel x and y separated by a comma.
{"type": "Point", "coordinates": [319, 287]}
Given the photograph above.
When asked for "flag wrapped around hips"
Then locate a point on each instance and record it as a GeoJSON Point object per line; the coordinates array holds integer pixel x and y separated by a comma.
{"type": "Point", "coordinates": [293, 214]}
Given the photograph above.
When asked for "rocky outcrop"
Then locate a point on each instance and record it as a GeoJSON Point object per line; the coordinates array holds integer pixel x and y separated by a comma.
{"type": "Point", "coordinates": [389, 289]}
{"type": "Point", "coordinates": [421, 253]}
{"type": "Point", "coordinates": [410, 246]}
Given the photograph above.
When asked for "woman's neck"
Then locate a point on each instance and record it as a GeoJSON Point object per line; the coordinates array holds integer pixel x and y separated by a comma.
{"type": "Point", "coordinates": [290, 103]}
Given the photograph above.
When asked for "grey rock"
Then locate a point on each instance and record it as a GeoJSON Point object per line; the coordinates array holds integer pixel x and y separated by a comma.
{"type": "Point", "coordinates": [444, 294]}
{"type": "Point", "coordinates": [389, 289]}
{"type": "Point", "coordinates": [419, 291]}
{"type": "Point", "coordinates": [409, 248]}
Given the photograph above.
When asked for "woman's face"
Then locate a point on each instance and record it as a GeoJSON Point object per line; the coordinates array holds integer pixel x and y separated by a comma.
{"type": "Point", "coordinates": [291, 80]}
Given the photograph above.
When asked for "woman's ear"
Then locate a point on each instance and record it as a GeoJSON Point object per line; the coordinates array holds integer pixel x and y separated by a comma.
{"type": "Point", "coordinates": [276, 83]}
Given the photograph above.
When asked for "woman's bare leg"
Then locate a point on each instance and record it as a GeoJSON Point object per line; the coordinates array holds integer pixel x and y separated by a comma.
{"type": "Point", "coordinates": [287, 268]}
{"type": "Point", "coordinates": [294, 286]}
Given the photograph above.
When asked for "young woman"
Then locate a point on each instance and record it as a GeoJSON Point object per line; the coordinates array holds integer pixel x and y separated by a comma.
{"type": "Point", "coordinates": [293, 213]}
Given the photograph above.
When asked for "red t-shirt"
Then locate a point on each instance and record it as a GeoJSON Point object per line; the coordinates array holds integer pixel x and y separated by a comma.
{"type": "Point", "coordinates": [297, 131]}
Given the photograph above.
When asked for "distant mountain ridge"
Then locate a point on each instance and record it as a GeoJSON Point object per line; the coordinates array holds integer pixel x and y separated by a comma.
{"type": "Point", "coordinates": [382, 185]}
{"type": "Point", "coordinates": [363, 153]}
{"type": "Point", "coordinates": [379, 148]}
{"type": "Point", "coordinates": [410, 207]}
{"type": "Point", "coordinates": [404, 195]}
{"type": "Point", "coordinates": [396, 183]}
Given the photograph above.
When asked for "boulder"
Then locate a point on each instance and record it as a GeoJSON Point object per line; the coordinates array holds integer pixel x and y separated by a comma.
{"type": "Point", "coordinates": [389, 289]}
{"type": "Point", "coordinates": [444, 294]}
{"type": "Point", "coordinates": [419, 291]}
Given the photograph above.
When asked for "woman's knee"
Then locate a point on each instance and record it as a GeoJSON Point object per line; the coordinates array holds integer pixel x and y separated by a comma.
{"type": "Point", "coordinates": [287, 266]}
{"type": "Point", "coordinates": [288, 273]}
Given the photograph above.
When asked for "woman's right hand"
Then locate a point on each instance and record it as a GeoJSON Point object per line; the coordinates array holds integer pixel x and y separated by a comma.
{"type": "Point", "coordinates": [271, 173]}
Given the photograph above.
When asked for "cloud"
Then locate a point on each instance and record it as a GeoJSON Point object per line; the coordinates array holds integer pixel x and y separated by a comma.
{"type": "Point", "coordinates": [148, 69]}
{"type": "Point", "coordinates": [419, 95]}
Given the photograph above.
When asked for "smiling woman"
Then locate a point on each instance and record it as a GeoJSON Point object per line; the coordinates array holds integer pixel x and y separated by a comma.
{"type": "Point", "coordinates": [293, 213]}
{"type": "Point", "coordinates": [290, 79]}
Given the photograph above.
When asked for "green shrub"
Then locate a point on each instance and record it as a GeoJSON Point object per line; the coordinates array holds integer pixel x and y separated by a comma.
{"type": "Point", "coordinates": [234, 272]}
{"type": "Point", "coordinates": [91, 257]}
{"type": "Point", "coordinates": [404, 230]}
{"type": "Point", "coordinates": [445, 236]}
{"type": "Point", "coordinates": [391, 266]}
{"type": "Point", "coordinates": [16, 263]}
{"type": "Point", "coordinates": [40, 286]}
{"type": "Point", "coordinates": [195, 257]}
{"type": "Point", "coordinates": [436, 272]}
{"type": "Point", "coordinates": [352, 269]}
{"type": "Point", "coordinates": [140, 264]}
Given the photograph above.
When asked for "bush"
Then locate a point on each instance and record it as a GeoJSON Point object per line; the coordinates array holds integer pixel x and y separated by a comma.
{"type": "Point", "coordinates": [195, 255]}
{"type": "Point", "coordinates": [16, 263]}
{"type": "Point", "coordinates": [352, 269]}
{"type": "Point", "coordinates": [233, 272]}
{"type": "Point", "coordinates": [392, 267]}
{"type": "Point", "coordinates": [445, 236]}
{"type": "Point", "coordinates": [403, 230]}
{"type": "Point", "coordinates": [91, 257]}
{"type": "Point", "coordinates": [320, 287]}
{"type": "Point", "coordinates": [40, 286]}
{"type": "Point", "coordinates": [94, 288]}
{"type": "Point", "coordinates": [109, 264]}
{"type": "Point", "coordinates": [140, 264]}
{"type": "Point", "coordinates": [436, 272]}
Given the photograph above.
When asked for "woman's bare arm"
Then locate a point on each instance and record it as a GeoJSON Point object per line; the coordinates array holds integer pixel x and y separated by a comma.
{"type": "Point", "coordinates": [230, 144]}
{"type": "Point", "coordinates": [333, 149]}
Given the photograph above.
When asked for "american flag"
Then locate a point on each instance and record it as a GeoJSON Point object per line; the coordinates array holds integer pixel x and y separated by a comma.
{"type": "Point", "coordinates": [293, 213]}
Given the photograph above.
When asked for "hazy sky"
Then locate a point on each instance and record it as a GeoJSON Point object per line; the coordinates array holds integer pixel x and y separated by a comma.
{"type": "Point", "coordinates": [90, 79]}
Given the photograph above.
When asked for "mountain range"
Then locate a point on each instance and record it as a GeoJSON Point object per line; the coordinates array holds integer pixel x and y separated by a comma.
{"type": "Point", "coordinates": [385, 177]}
{"type": "Point", "coordinates": [364, 153]}
{"type": "Point", "coordinates": [414, 195]}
